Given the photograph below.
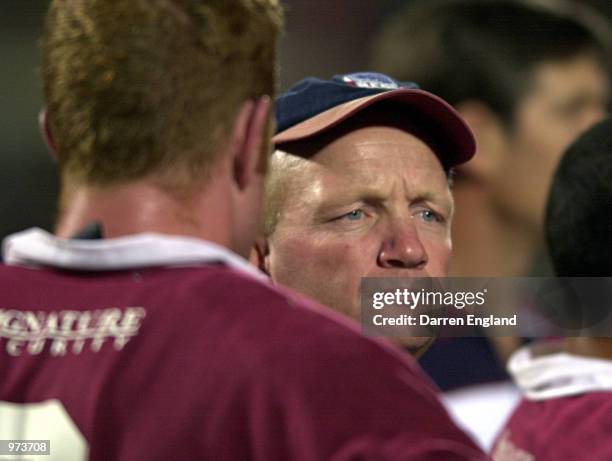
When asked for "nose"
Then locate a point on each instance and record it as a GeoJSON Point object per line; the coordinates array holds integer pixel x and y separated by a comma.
{"type": "Point", "coordinates": [403, 248]}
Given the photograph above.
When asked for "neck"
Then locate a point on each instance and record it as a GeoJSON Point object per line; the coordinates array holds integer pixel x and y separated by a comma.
{"type": "Point", "coordinates": [486, 244]}
{"type": "Point", "coordinates": [589, 347]}
{"type": "Point", "coordinates": [143, 206]}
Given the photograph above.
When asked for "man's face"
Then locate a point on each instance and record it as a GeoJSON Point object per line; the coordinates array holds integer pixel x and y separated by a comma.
{"type": "Point", "coordinates": [566, 98]}
{"type": "Point", "coordinates": [374, 202]}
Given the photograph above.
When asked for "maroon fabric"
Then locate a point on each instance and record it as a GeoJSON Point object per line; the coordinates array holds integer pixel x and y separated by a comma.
{"type": "Point", "coordinates": [224, 367]}
{"type": "Point", "coordinates": [563, 429]}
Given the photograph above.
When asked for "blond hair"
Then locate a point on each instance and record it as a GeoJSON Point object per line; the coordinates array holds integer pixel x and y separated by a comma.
{"type": "Point", "coordinates": [139, 87]}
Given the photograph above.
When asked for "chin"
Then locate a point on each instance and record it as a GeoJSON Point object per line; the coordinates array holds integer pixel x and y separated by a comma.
{"type": "Point", "coordinates": [416, 346]}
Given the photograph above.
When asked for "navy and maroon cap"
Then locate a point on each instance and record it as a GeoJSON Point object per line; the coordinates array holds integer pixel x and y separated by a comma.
{"type": "Point", "coordinates": [313, 106]}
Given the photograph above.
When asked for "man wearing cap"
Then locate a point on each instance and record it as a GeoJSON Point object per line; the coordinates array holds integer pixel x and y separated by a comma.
{"type": "Point", "coordinates": [359, 187]}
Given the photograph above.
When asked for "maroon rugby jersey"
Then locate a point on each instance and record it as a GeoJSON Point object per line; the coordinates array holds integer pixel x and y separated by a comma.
{"type": "Point", "coordinates": [167, 348]}
{"type": "Point", "coordinates": [566, 414]}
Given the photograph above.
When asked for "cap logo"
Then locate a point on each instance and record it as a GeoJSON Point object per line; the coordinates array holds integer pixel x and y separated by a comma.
{"type": "Point", "coordinates": [370, 80]}
{"type": "Point", "coordinates": [373, 81]}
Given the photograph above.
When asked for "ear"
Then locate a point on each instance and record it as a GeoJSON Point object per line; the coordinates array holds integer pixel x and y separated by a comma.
{"type": "Point", "coordinates": [249, 132]}
{"type": "Point", "coordinates": [491, 139]}
{"type": "Point", "coordinates": [43, 126]}
{"type": "Point", "coordinates": [260, 255]}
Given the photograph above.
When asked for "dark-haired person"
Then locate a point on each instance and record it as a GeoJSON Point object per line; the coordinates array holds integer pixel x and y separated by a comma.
{"type": "Point", "coordinates": [528, 78]}
{"type": "Point", "coordinates": [566, 412]}
{"type": "Point", "coordinates": [138, 331]}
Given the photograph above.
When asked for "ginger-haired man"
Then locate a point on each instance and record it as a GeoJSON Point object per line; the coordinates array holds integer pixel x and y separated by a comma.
{"type": "Point", "coordinates": [138, 331]}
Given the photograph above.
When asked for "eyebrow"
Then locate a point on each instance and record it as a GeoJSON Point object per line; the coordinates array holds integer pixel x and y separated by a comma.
{"type": "Point", "coordinates": [343, 198]}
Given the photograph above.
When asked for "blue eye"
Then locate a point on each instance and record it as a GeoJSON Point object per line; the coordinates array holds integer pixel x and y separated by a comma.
{"type": "Point", "coordinates": [429, 216]}
{"type": "Point", "coordinates": [354, 215]}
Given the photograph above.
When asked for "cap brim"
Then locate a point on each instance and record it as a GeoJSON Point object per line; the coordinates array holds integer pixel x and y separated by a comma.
{"type": "Point", "coordinates": [447, 121]}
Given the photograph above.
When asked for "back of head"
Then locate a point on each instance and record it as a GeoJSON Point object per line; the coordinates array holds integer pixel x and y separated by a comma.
{"type": "Point", "coordinates": [579, 212]}
{"type": "Point", "coordinates": [483, 50]}
{"type": "Point", "coordinates": [139, 87]}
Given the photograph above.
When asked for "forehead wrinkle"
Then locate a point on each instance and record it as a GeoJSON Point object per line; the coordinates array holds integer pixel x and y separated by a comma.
{"type": "Point", "coordinates": [357, 161]}
{"type": "Point", "coordinates": [426, 190]}
{"type": "Point", "coordinates": [406, 158]}
{"type": "Point", "coordinates": [380, 143]}
{"type": "Point", "coordinates": [363, 161]}
{"type": "Point", "coordinates": [353, 177]}
{"type": "Point", "coordinates": [376, 149]}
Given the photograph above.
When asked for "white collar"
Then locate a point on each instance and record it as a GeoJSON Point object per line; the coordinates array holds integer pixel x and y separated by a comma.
{"type": "Point", "coordinates": [558, 374]}
{"type": "Point", "coordinates": [36, 247]}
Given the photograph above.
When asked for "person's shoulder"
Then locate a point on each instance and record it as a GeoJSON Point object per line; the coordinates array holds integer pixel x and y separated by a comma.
{"type": "Point", "coordinates": [301, 324]}
{"type": "Point", "coordinates": [534, 415]}
{"type": "Point", "coordinates": [326, 343]}
{"type": "Point", "coordinates": [591, 406]}
{"type": "Point", "coordinates": [8, 269]}
{"type": "Point", "coordinates": [539, 428]}
{"type": "Point", "coordinates": [592, 402]}
{"type": "Point", "coordinates": [13, 276]}
{"type": "Point", "coordinates": [243, 290]}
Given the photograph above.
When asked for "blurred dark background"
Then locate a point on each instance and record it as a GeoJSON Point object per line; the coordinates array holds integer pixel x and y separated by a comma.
{"type": "Point", "coordinates": [322, 37]}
